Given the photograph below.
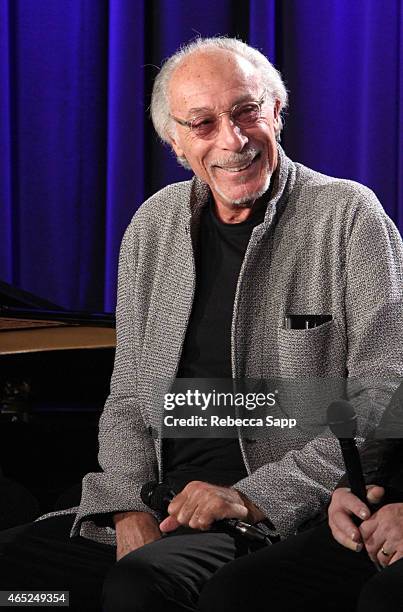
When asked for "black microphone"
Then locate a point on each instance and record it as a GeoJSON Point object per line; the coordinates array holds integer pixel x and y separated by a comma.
{"type": "Point", "coordinates": [158, 496]}
{"type": "Point", "coordinates": [342, 421]}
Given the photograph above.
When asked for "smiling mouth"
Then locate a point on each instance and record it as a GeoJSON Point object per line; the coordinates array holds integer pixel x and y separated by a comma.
{"type": "Point", "coordinates": [238, 168]}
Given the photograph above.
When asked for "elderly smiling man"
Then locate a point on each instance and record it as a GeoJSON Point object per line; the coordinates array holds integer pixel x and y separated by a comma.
{"type": "Point", "coordinates": [209, 270]}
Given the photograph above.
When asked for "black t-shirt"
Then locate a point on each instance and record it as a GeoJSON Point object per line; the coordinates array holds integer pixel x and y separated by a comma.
{"type": "Point", "coordinates": [207, 348]}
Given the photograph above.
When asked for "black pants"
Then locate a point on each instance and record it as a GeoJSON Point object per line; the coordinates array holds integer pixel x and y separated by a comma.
{"type": "Point", "coordinates": [310, 571]}
{"type": "Point", "coordinates": [42, 556]}
{"type": "Point", "coordinates": [167, 575]}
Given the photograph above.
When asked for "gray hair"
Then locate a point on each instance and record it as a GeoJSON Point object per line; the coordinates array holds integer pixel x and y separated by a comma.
{"type": "Point", "coordinates": [271, 79]}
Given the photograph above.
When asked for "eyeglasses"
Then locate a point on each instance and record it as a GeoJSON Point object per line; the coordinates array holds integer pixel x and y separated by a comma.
{"type": "Point", "coordinates": [243, 115]}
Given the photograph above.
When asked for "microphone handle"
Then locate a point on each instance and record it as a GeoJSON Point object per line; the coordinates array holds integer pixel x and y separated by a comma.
{"type": "Point", "coordinates": [355, 476]}
{"type": "Point", "coordinates": [353, 465]}
{"type": "Point", "coordinates": [245, 529]}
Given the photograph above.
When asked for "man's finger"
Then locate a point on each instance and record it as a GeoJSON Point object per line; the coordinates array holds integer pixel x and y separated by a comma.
{"type": "Point", "coordinates": [185, 513]}
{"type": "Point", "coordinates": [169, 524]}
{"type": "Point", "coordinates": [375, 494]}
{"type": "Point", "coordinates": [348, 502]}
{"type": "Point", "coordinates": [343, 523]}
{"type": "Point", "coordinates": [177, 502]}
{"type": "Point", "coordinates": [358, 508]}
{"type": "Point", "coordinates": [346, 541]}
{"type": "Point", "coordinates": [372, 551]}
{"type": "Point", "coordinates": [398, 555]}
{"type": "Point", "coordinates": [385, 554]}
{"type": "Point", "coordinates": [368, 528]}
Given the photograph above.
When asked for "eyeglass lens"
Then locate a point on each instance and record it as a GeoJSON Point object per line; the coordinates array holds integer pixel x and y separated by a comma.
{"type": "Point", "coordinates": [242, 115]}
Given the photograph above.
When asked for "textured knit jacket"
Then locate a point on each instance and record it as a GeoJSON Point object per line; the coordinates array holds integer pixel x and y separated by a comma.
{"type": "Point", "coordinates": [325, 246]}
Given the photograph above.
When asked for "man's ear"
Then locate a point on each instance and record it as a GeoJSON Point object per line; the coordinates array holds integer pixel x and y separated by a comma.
{"type": "Point", "coordinates": [176, 146]}
{"type": "Point", "coordinates": [276, 114]}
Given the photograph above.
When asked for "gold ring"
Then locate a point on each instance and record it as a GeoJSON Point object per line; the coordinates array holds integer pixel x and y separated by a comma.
{"type": "Point", "coordinates": [383, 551]}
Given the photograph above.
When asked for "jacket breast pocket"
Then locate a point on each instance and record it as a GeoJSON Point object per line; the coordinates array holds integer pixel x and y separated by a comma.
{"type": "Point", "coordinates": [319, 351]}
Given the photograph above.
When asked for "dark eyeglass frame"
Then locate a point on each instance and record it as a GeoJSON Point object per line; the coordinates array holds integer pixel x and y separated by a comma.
{"type": "Point", "coordinates": [230, 112]}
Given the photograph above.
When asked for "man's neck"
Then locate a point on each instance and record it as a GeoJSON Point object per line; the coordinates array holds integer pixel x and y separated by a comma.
{"type": "Point", "coordinates": [232, 215]}
{"type": "Point", "coordinates": [235, 213]}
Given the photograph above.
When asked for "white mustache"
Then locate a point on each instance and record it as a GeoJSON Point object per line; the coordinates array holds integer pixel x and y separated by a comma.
{"type": "Point", "coordinates": [237, 159]}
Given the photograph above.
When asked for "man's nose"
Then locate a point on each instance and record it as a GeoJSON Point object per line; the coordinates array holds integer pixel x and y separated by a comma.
{"type": "Point", "coordinates": [230, 135]}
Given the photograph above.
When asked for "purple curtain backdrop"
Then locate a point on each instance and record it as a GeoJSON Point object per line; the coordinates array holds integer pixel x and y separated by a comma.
{"type": "Point", "coordinates": [77, 151]}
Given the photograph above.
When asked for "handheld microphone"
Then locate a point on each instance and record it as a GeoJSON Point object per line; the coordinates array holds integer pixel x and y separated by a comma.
{"type": "Point", "coordinates": [158, 496]}
{"type": "Point", "coordinates": [342, 421]}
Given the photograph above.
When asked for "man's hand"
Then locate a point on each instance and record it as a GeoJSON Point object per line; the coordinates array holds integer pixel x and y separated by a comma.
{"type": "Point", "coordinates": [134, 529]}
{"type": "Point", "coordinates": [383, 534]}
{"type": "Point", "coordinates": [200, 504]}
{"type": "Point", "coordinates": [342, 507]}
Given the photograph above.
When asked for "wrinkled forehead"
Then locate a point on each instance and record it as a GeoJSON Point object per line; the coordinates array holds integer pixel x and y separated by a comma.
{"type": "Point", "coordinates": [211, 79]}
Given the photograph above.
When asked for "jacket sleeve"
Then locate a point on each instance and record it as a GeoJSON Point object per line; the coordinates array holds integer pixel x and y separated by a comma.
{"type": "Point", "coordinates": [293, 489]}
{"type": "Point", "coordinates": [382, 455]}
{"type": "Point", "coordinates": [127, 455]}
{"type": "Point", "coordinates": [382, 462]}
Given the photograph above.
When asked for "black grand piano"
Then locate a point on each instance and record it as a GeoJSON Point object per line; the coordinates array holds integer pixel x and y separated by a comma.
{"type": "Point", "coordinates": [55, 369]}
